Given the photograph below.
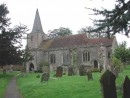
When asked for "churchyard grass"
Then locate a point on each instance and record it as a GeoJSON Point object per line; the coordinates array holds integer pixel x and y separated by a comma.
{"type": "Point", "coordinates": [4, 79]}
{"type": "Point", "coordinates": [65, 86]}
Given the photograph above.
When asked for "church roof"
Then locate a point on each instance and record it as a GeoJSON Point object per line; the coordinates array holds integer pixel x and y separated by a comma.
{"type": "Point", "coordinates": [37, 26]}
{"type": "Point", "coordinates": [73, 40]}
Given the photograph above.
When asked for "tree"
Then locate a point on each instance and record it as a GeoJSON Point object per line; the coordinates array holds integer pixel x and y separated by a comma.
{"type": "Point", "coordinates": [115, 21]}
{"type": "Point", "coordinates": [122, 53]}
{"type": "Point", "coordinates": [87, 30]}
{"type": "Point", "coordinates": [59, 32]}
{"type": "Point", "coordinates": [4, 21]}
{"type": "Point", "coordinates": [10, 40]}
{"type": "Point", "coordinates": [10, 43]}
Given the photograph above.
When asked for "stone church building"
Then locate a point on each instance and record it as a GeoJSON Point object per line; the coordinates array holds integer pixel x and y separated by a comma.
{"type": "Point", "coordinates": [72, 50]}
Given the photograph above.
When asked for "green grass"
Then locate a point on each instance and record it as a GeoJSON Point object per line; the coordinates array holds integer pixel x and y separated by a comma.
{"type": "Point", "coordinates": [4, 79]}
{"type": "Point", "coordinates": [65, 87]}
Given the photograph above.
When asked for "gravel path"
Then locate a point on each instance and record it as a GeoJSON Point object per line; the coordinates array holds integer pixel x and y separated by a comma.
{"type": "Point", "coordinates": [12, 90]}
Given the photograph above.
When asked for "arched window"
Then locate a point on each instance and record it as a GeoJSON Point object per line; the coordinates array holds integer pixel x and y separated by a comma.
{"type": "Point", "coordinates": [52, 59]}
{"type": "Point", "coordinates": [86, 56]}
{"type": "Point", "coordinates": [65, 58]}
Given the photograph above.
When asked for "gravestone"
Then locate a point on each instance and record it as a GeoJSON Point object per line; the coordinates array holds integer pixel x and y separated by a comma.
{"type": "Point", "coordinates": [70, 71]}
{"type": "Point", "coordinates": [116, 71]}
{"type": "Point", "coordinates": [108, 85]}
{"type": "Point", "coordinates": [89, 74]}
{"type": "Point", "coordinates": [82, 71]}
{"type": "Point", "coordinates": [45, 77]}
{"type": "Point", "coordinates": [59, 71]}
{"type": "Point", "coordinates": [126, 88]}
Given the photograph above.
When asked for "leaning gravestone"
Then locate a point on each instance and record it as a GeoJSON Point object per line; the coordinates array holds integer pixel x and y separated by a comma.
{"type": "Point", "coordinates": [82, 71]}
{"type": "Point", "coordinates": [108, 85]}
{"type": "Point", "coordinates": [126, 88]}
{"type": "Point", "coordinates": [45, 77]}
{"type": "Point", "coordinates": [89, 74]}
{"type": "Point", "coordinates": [59, 71]}
{"type": "Point", "coordinates": [70, 71]}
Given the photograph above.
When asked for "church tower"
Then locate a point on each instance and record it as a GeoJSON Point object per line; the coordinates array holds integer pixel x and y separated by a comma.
{"type": "Point", "coordinates": [37, 35]}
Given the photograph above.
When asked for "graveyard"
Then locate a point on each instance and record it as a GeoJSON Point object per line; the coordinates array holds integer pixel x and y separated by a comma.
{"type": "Point", "coordinates": [65, 86]}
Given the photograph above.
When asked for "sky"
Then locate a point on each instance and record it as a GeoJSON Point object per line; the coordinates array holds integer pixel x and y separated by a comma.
{"type": "Point", "coordinates": [57, 13]}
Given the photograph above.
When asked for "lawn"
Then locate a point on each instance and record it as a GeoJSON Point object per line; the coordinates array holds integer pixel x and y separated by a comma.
{"type": "Point", "coordinates": [65, 87]}
{"type": "Point", "coordinates": [4, 79]}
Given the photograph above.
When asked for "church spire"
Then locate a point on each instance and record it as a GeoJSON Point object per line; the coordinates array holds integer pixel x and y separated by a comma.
{"type": "Point", "coordinates": [37, 26]}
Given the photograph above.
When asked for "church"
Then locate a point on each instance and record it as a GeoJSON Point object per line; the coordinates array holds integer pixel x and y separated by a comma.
{"type": "Point", "coordinates": [71, 50]}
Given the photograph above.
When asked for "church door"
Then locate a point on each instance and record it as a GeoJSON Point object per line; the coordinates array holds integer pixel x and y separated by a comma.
{"type": "Point", "coordinates": [95, 64]}
{"type": "Point", "coordinates": [31, 67]}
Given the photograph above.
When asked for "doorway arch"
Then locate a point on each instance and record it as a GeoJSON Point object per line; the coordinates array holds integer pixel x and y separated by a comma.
{"type": "Point", "coordinates": [31, 67]}
{"type": "Point", "coordinates": [95, 64]}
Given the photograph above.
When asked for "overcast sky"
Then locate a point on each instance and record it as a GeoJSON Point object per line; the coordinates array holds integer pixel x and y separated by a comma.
{"type": "Point", "coordinates": [56, 13]}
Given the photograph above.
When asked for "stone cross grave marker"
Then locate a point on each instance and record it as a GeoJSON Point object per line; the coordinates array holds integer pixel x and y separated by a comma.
{"type": "Point", "coordinates": [59, 71]}
{"type": "Point", "coordinates": [108, 85]}
{"type": "Point", "coordinates": [126, 88]}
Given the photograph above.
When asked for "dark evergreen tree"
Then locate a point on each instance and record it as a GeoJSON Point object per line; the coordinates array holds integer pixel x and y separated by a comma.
{"type": "Point", "coordinates": [115, 21]}
{"type": "Point", "coordinates": [11, 51]}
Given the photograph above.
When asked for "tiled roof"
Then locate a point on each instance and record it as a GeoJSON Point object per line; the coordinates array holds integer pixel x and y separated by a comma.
{"type": "Point", "coordinates": [73, 40]}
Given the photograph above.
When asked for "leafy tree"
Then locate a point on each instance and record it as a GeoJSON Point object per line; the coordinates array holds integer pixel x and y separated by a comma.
{"type": "Point", "coordinates": [10, 40]}
{"type": "Point", "coordinates": [115, 21]}
{"type": "Point", "coordinates": [87, 30]}
{"type": "Point", "coordinates": [122, 53]}
{"type": "Point", "coordinates": [116, 62]}
{"type": "Point", "coordinates": [59, 32]}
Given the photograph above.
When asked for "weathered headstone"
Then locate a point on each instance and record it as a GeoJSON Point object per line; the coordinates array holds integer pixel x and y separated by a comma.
{"type": "Point", "coordinates": [126, 88]}
{"type": "Point", "coordinates": [70, 71]}
{"type": "Point", "coordinates": [59, 71]}
{"type": "Point", "coordinates": [108, 85]}
{"type": "Point", "coordinates": [82, 71]}
{"type": "Point", "coordinates": [116, 71]}
{"type": "Point", "coordinates": [89, 74]}
{"type": "Point", "coordinates": [45, 77]}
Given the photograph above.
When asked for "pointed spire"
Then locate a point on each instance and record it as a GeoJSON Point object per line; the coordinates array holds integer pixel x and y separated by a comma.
{"type": "Point", "coordinates": [37, 26]}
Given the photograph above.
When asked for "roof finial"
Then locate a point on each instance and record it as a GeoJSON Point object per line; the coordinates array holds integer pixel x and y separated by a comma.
{"type": "Point", "coordinates": [37, 26]}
